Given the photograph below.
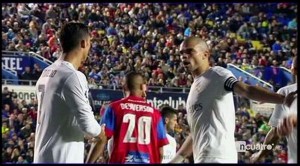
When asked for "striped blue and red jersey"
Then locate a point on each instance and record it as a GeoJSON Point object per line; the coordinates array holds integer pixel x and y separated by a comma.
{"type": "Point", "coordinates": [138, 131]}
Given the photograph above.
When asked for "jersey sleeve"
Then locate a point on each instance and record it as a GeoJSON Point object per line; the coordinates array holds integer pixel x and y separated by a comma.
{"type": "Point", "coordinates": [229, 83]}
{"type": "Point", "coordinates": [278, 113]}
{"type": "Point", "coordinates": [109, 120]}
{"type": "Point", "coordinates": [161, 133]}
{"type": "Point", "coordinates": [226, 78]}
{"type": "Point", "coordinates": [75, 93]}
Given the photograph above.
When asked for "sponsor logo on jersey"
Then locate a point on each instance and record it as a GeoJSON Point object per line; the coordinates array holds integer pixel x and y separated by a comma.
{"type": "Point", "coordinates": [137, 158]}
{"type": "Point", "coordinates": [195, 107]}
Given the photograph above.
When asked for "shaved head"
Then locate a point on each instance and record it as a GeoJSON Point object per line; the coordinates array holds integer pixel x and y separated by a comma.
{"type": "Point", "coordinates": [196, 42]}
{"type": "Point", "coordinates": [134, 81]}
{"type": "Point", "coordinates": [195, 55]}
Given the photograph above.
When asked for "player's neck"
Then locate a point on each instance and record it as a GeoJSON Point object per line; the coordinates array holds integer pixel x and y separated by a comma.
{"type": "Point", "coordinates": [167, 131]}
{"type": "Point", "coordinates": [200, 70]}
{"type": "Point", "coordinates": [72, 58]}
{"type": "Point", "coordinates": [136, 94]}
{"type": "Point", "coordinates": [126, 94]}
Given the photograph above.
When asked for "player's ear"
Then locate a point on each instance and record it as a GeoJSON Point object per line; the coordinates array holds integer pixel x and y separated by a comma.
{"type": "Point", "coordinates": [144, 87]}
{"type": "Point", "coordinates": [125, 88]}
{"type": "Point", "coordinates": [83, 43]}
{"type": "Point", "coordinates": [206, 54]}
{"type": "Point", "coordinates": [144, 90]}
{"type": "Point", "coordinates": [166, 120]}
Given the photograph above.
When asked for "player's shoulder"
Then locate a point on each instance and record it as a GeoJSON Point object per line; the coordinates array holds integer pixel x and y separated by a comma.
{"type": "Point", "coordinates": [72, 78]}
{"type": "Point", "coordinates": [75, 77]}
{"type": "Point", "coordinates": [220, 71]}
{"type": "Point", "coordinates": [62, 68]}
{"type": "Point", "coordinates": [287, 89]}
{"type": "Point", "coordinates": [68, 69]}
{"type": "Point", "coordinates": [53, 66]}
{"type": "Point", "coordinates": [156, 111]}
{"type": "Point", "coordinates": [80, 75]}
{"type": "Point", "coordinates": [116, 103]}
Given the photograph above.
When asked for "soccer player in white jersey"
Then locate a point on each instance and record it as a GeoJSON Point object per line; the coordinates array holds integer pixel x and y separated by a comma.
{"type": "Point", "coordinates": [64, 113]}
{"type": "Point", "coordinates": [170, 119]}
{"type": "Point", "coordinates": [210, 106]}
{"type": "Point", "coordinates": [281, 112]}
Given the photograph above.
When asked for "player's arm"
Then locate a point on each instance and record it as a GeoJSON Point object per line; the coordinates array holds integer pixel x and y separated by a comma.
{"type": "Point", "coordinates": [75, 93]}
{"type": "Point", "coordinates": [161, 154]}
{"type": "Point", "coordinates": [257, 93]}
{"type": "Point", "coordinates": [285, 127]}
{"type": "Point", "coordinates": [185, 150]}
{"type": "Point", "coordinates": [98, 147]}
{"type": "Point", "coordinates": [260, 94]}
{"type": "Point", "coordinates": [271, 138]}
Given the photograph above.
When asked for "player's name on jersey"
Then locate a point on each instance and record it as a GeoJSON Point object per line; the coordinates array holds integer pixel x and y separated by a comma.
{"type": "Point", "coordinates": [136, 107]}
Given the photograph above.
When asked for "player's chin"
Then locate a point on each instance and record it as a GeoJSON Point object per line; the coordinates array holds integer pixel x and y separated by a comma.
{"type": "Point", "coordinates": [188, 68]}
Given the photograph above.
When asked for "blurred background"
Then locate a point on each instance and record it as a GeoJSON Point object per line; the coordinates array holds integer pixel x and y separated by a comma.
{"type": "Point", "coordinates": [255, 41]}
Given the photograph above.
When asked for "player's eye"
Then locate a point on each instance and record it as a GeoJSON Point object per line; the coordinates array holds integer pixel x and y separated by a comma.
{"type": "Point", "coordinates": [187, 51]}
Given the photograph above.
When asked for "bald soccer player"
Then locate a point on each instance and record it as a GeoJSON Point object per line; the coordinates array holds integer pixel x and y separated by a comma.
{"type": "Point", "coordinates": [210, 106]}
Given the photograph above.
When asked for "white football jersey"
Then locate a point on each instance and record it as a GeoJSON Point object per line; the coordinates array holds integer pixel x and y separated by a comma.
{"type": "Point", "coordinates": [211, 117]}
{"type": "Point", "coordinates": [64, 115]}
{"type": "Point", "coordinates": [282, 111]}
{"type": "Point", "coordinates": [169, 150]}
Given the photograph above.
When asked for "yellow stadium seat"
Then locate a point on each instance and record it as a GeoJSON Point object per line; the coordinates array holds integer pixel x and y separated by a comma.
{"type": "Point", "coordinates": [239, 38]}
{"type": "Point", "coordinates": [233, 35]}
{"type": "Point", "coordinates": [211, 23]}
{"type": "Point", "coordinates": [257, 45]}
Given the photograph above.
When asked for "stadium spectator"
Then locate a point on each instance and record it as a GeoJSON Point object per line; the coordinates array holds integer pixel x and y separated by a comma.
{"type": "Point", "coordinates": [131, 28]}
{"type": "Point", "coordinates": [27, 75]}
{"type": "Point", "coordinates": [37, 71]}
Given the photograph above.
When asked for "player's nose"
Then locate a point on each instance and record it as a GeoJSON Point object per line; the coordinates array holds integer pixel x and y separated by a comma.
{"type": "Point", "coordinates": [184, 58]}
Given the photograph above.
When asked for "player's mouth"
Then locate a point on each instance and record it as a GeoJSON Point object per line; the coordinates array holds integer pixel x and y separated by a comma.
{"type": "Point", "coordinates": [186, 63]}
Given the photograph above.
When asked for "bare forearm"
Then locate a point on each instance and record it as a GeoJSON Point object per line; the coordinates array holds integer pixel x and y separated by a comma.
{"type": "Point", "coordinates": [185, 150]}
{"type": "Point", "coordinates": [96, 150]}
{"type": "Point", "coordinates": [271, 138]}
{"type": "Point", "coordinates": [161, 152]}
{"type": "Point", "coordinates": [187, 147]}
{"type": "Point", "coordinates": [261, 94]}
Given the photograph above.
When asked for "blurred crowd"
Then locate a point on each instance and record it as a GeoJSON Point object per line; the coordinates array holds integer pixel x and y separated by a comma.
{"type": "Point", "coordinates": [19, 120]}
{"type": "Point", "coordinates": [18, 127]}
{"type": "Point", "coordinates": [146, 36]}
